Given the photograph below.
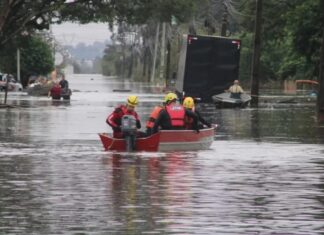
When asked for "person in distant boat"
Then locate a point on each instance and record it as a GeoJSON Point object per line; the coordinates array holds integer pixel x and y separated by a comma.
{"type": "Point", "coordinates": [115, 118]}
{"type": "Point", "coordinates": [189, 104]}
{"type": "Point", "coordinates": [55, 92]}
{"type": "Point", "coordinates": [64, 83]}
{"type": "Point", "coordinates": [236, 90]}
{"type": "Point", "coordinates": [172, 117]}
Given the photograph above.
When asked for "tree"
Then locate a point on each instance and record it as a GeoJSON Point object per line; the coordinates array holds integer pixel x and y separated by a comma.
{"type": "Point", "coordinates": [280, 59]}
{"type": "Point", "coordinates": [36, 57]}
{"type": "Point", "coordinates": [17, 16]}
{"type": "Point", "coordinates": [23, 15]}
{"type": "Point", "coordinates": [136, 35]}
{"type": "Point", "coordinates": [304, 23]}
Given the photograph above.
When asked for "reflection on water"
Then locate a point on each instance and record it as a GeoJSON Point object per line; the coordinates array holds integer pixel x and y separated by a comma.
{"type": "Point", "coordinates": [262, 175]}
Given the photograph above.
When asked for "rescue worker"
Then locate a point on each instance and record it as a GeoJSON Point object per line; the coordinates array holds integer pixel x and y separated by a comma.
{"type": "Point", "coordinates": [153, 116]}
{"type": "Point", "coordinates": [189, 104]}
{"type": "Point", "coordinates": [236, 90]}
{"type": "Point", "coordinates": [115, 118]}
{"type": "Point", "coordinates": [173, 115]}
{"type": "Point", "coordinates": [64, 83]}
{"type": "Point", "coordinates": [55, 92]}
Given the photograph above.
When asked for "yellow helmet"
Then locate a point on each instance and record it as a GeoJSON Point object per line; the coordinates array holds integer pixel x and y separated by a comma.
{"type": "Point", "coordinates": [188, 103]}
{"type": "Point", "coordinates": [170, 97]}
{"type": "Point", "coordinates": [132, 100]}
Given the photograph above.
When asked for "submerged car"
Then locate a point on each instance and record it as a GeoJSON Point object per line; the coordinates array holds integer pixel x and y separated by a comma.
{"type": "Point", "coordinates": [13, 85]}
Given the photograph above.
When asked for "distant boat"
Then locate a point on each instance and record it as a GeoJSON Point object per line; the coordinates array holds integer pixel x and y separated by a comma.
{"type": "Point", "coordinates": [42, 90]}
{"type": "Point", "coordinates": [122, 90]}
{"type": "Point", "coordinates": [39, 89]}
{"type": "Point", "coordinates": [224, 100]}
{"type": "Point", "coordinates": [309, 87]}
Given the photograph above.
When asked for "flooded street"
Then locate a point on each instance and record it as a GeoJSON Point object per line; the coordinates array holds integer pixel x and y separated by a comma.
{"type": "Point", "coordinates": [264, 173]}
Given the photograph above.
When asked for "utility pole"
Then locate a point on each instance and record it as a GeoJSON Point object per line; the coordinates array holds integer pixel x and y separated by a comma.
{"type": "Point", "coordinates": [256, 55]}
{"type": "Point", "coordinates": [320, 98]}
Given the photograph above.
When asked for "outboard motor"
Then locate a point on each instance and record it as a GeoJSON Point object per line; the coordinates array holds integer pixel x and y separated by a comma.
{"type": "Point", "coordinates": [128, 127]}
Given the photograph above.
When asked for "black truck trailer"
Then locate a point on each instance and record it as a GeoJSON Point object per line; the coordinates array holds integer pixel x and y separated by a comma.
{"type": "Point", "coordinates": [208, 65]}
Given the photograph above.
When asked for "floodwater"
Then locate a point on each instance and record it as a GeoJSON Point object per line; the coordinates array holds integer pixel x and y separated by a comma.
{"type": "Point", "coordinates": [264, 173]}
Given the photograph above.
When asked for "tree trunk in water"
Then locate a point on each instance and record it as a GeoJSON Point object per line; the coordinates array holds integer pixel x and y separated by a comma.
{"type": "Point", "coordinates": [155, 51]}
{"type": "Point", "coordinates": [192, 28]}
{"type": "Point", "coordinates": [224, 21]}
{"type": "Point", "coordinates": [256, 55]}
{"type": "Point", "coordinates": [162, 60]}
{"type": "Point", "coordinates": [320, 98]}
{"type": "Point", "coordinates": [144, 63]}
{"type": "Point", "coordinates": [149, 66]}
{"type": "Point", "coordinates": [6, 92]}
{"type": "Point", "coordinates": [131, 62]}
{"type": "Point", "coordinates": [168, 62]}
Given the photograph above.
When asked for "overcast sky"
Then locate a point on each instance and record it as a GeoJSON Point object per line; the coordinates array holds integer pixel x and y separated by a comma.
{"type": "Point", "coordinates": [72, 34]}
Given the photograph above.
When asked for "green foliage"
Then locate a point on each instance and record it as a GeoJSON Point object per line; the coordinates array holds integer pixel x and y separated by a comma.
{"type": "Point", "coordinates": [20, 15]}
{"type": "Point", "coordinates": [36, 57]}
{"type": "Point", "coordinates": [305, 23]}
{"type": "Point", "coordinates": [112, 61]}
{"type": "Point", "coordinates": [290, 38]}
{"type": "Point", "coordinates": [132, 54]}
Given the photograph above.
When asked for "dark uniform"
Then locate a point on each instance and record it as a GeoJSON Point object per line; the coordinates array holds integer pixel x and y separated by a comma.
{"type": "Point", "coordinates": [64, 84]}
{"type": "Point", "coordinates": [173, 118]}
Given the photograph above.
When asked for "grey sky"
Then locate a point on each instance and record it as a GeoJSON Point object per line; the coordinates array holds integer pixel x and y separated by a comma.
{"type": "Point", "coordinates": [72, 33]}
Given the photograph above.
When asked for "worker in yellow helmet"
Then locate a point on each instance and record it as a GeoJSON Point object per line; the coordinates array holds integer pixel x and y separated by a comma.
{"type": "Point", "coordinates": [189, 104]}
{"type": "Point", "coordinates": [173, 115]}
{"type": "Point", "coordinates": [114, 119]}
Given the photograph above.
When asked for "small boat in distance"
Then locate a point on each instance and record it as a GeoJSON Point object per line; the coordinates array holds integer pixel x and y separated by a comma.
{"type": "Point", "coordinates": [224, 100]}
{"type": "Point", "coordinates": [165, 140]}
{"type": "Point", "coordinates": [39, 89]}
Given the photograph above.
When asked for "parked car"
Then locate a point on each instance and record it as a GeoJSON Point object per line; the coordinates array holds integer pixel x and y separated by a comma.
{"type": "Point", "coordinates": [13, 85]}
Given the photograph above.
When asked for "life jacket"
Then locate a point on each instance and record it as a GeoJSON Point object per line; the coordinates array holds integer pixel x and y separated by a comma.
{"type": "Point", "coordinates": [177, 115]}
{"type": "Point", "coordinates": [153, 116]}
{"type": "Point", "coordinates": [126, 112]}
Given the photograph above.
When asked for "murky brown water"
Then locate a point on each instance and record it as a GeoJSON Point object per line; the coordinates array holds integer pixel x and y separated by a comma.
{"type": "Point", "coordinates": [262, 175]}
